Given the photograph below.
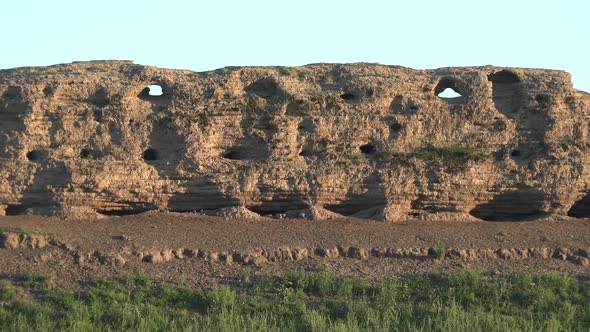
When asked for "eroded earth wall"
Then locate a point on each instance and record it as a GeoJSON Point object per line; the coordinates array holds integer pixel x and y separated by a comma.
{"type": "Point", "coordinates": [362, 140]}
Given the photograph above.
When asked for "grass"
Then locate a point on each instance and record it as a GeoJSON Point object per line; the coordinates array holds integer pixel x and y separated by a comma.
{"type": "Point", "coordinates": [303, 301]}
{"type": "Point", "coordinates": [453, 158]}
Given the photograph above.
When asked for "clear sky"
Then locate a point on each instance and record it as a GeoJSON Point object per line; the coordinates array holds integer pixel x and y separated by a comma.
{"type": "Point", "coordinates": [204, 35]}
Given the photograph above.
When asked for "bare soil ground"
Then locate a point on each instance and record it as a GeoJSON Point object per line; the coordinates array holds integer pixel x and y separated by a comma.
{"type": "Point", "coordinates": [567, 244]}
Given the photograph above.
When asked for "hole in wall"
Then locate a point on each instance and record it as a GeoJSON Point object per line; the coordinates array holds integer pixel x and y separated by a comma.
{"type": "Point", "coordinates": [368, 149]}
{"type": "Point", "coordinates": [305, 153]}
{"type": "Point", "coordinates": [506, 92]}
{"type": "Point", "coordinates": [155, 90]}
{"type": "Point", "coordinates": [152, 92]}
{"type": "Point", "coordinates": [515, 153]}
{"type": "Point", "coordinates": [151, 155]}
{"type": "Point", "coordinates": [449, 93]}
{"type": "Point", "coordinates": [514, 205]}
{"type": "Point", "coordinates": [396, 127]}
{"type": "Point", "coordinates": [348, 96]}
{"type": "Point", "coordinates": [581, 208]}
{"type": "Point", "coordinates": [34, 155]}
{"type": "Point", "coordinates": [447, 90]}
{"type": "Point", "coordinates": [17, 210]}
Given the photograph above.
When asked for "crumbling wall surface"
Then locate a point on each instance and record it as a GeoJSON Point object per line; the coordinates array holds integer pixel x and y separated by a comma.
{"type": "Point", "coordinates": [363, 140]}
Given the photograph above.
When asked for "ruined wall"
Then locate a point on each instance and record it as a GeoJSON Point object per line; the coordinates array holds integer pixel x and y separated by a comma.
{"type": "Point", "coordinates": [362, 140]}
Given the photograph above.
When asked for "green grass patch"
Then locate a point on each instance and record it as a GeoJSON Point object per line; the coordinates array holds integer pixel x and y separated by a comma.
{"type": "Point", "coordinates": [453, 158]}
{"type": "Point", "coordinates": [303, 301]}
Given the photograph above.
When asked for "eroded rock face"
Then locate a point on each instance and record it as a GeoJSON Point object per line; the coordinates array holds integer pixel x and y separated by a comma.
{"type": "Point", "coordinates": [363, 140]}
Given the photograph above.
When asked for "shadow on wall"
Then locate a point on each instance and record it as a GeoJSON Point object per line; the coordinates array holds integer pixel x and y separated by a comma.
{"type": "Point", "coordinates": [517, 205]}
{"type": "Point", "coordinates": [371, 196]}
{"type": "Point", "coordinates": [199, 194]}
{"type": "Point", "coordinates": [506, 92]}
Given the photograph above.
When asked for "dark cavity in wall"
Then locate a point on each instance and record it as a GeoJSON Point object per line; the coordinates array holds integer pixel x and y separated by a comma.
{"type": "Point", "coordinates": [151, 154]}
{"type": "Point", "coordinates": [581, 208]}
{"type": "Point", "coordinates": [34, 155]}
{"type": "Point", "coordinates": [235, 155]}
{"type": "Point", "coordinates": [305, 153]}
{"type": "Point", "coordinates": [348, 96]}
{"type": "Point", "coordinates": [278, 206]}
{"type": "Point", "coordinates": [515, 205]}
{"type": "Point", "coordinates": [123, 212]}
{"type": "Point", "coordinates": [100, 98]}
{"type": "Point", "coordinates": [506, 92]}
{"type": "Point", "coordinates": [397, 104]}
{"type": "Point", "coordinates": [17, 210]}
{"type": "Point", "coordinates": [368, 149]}
{"type": "Point", "coordinates": [396, 127]}
{"type": "Point", "coordinates": [264, 88]}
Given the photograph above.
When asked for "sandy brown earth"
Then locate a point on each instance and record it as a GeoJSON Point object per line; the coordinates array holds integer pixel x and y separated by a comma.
{"type": "Point", "coordinates": [208, 250]}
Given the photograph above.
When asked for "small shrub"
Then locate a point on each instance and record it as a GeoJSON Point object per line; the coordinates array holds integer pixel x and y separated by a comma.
{"type": "Point", "coordinates": [287, 71]}
{"type": "Point", "coordinates": [357, 157]}
{"type": "Point", "coordinates": [246, 274]}
{"type": "Point", "coordinates": [29, 211]}
{"type": "Point", "coordinates": [440, 250]}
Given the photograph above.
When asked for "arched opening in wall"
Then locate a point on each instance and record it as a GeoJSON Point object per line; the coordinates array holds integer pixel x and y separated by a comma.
{"type": "Point", "coordinates": [447, 90]}
{"type": "Point", "coordinates": [17, 210]}
{"type": "Point", "coordinates": [151, 154]}
{"type": "Point", "coordinates": [367, 149]}
{"type": "Point", "coordinates": [155, 90]}
{"type": "Point", "coordinates": [34, 155]}
{"type": "Point", "coordinates": [581, 208]}
{"type": "Point", "coordinates": [152, 92]}
{"type": "Point", "coordinates": [506, 92]}
{"type": "Point", "coordinates": [278, 207]}
{"type": "Point", "coordinates": [515, 205]}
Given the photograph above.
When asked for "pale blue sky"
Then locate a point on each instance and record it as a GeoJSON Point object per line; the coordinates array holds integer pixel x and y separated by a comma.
{"type": "Point", "coordinates": [207, 35]}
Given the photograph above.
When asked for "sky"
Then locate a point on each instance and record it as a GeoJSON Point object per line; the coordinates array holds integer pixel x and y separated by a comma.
{"type": "Point", "coordinates": [205, 35]}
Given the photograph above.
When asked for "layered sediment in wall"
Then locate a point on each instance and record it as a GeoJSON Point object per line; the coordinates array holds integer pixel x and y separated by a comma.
{"type": "Point", "coordinates": [363, 140]}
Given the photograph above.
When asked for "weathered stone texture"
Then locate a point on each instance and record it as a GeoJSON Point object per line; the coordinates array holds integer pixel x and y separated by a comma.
{"type": "Point", "coordinates": [364, 140]}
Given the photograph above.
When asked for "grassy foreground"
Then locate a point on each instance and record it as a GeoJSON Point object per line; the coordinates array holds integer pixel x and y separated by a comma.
{"type": "Point", "coordinates": [303, 301]}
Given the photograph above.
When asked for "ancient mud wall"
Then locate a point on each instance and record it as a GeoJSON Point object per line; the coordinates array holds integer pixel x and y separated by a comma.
{"type": "Point", "coordinates": [363, 140]}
